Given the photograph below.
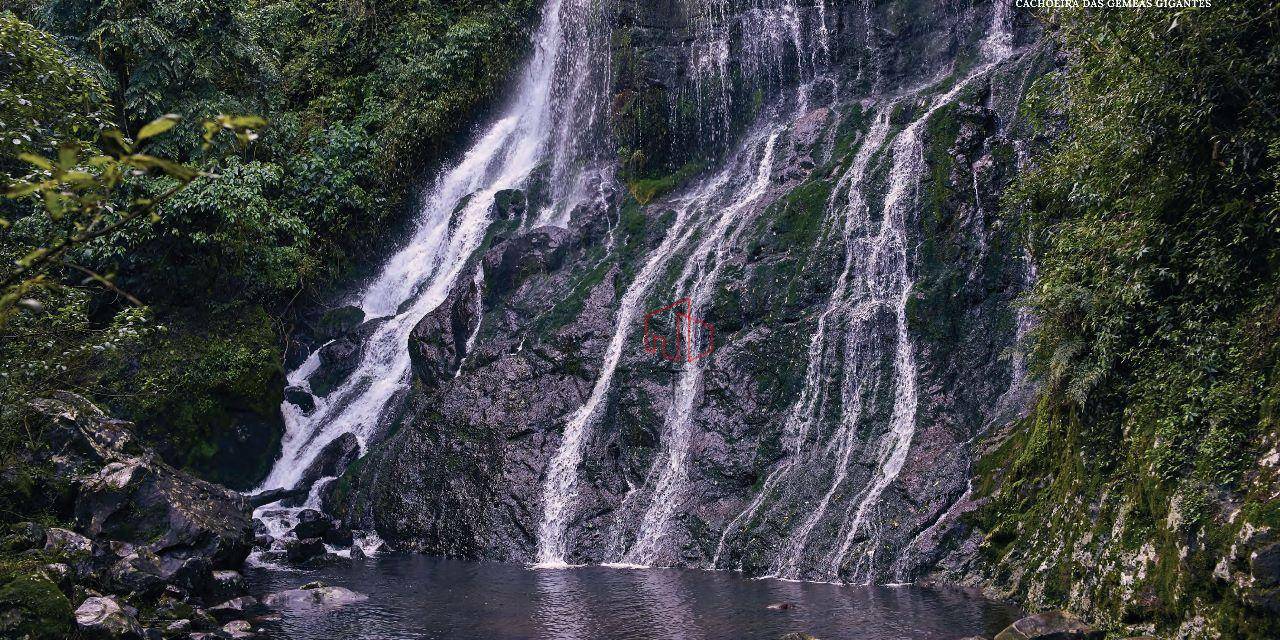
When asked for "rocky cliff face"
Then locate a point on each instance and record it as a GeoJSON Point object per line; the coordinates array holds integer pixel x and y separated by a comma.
{"type": "Point", "coordinates": [822, 182]}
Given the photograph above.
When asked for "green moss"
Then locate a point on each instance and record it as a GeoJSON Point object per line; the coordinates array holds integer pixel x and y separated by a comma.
{"type": "Point", "coordinates": [31, 606]}
{"type": "Point", "coordinates": [644, 190]}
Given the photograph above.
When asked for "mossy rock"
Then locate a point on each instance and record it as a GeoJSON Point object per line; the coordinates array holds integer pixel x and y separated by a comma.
{"type": "Point", "coordinates": [338, 322]}
{"type": "Point", "coordinates": [31, 606]}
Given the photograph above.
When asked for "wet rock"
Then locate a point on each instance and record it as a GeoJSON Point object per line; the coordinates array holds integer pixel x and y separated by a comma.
{"type": "Point", "coordinates": [314, 597]}
{"type": "Point", "coordinates": [103, 617]}
{"type": "Point", "coordinates": [235, 608]}
{"type": "Point", "coordinates": [338, 322]}
{"type": "Point", "coordinates": [780, 606]}
{"type": "Point", "coordinates": [340, 357]}
{"type": "Point", "coordinates": [357, 552]}
{"type": "Point", "coordinates": [275, 495]}
{"type": "Point", "coordinates": [300, 398]}
{"type": "Point", "coordinates": [338, 535]}
{"type": "Point", "coordinates": [540, 250]}
{"type": "Point", "coordinates": [145, 572]}
{"type": "Point", "coordinates": [311, 524]}
{"type": "Point", "coordinates": [509, 204]}
{"type": "Point", "coordinates": [225, 585]}
{"type": "Point", "coordinates": [304, 549]}
{"type": "Point", "coordinates": [438, 343]}
{"type": "Point", "coordinates": [1051, 625]}
{"type": "Point", "coordinates": [797, 636]}
{"type": "Point", "coordinates": [238, 629]}
{"type": "Point", "coordinates": [337, 360]}
{"type": "Point", "coordinates": [177, 628]}
{"type": "Point", "coordinates": [331, 461]}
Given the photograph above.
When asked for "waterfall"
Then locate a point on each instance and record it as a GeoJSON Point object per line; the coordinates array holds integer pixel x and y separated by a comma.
{"type": "Point", "coordinates": [550, 118]}
{"type": "Point", "coordinates": [678, 427]}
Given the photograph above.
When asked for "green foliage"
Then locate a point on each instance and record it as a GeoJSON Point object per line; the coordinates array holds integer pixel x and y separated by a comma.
{"type": "Point", "coordinates": [360, 99]}
{"type": "Point", "coordinates": [1155, 231]}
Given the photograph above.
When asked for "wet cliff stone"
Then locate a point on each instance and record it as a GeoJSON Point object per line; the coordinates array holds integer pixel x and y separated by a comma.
{"type": "Point", "coordinates": [539, 250]}
{"type": "Point", "coordinates": [340, 357]}
{"type": "Point", "coordinates": [1051, 625]}
{"type": "Point", "coordinates": [103, 617]}
{"type": "Point", "coordinates": [509, 204]}
{"type": "Point", "coordinates": [438, 343]}
{"type": "Point", "coordinates": [331, 460]}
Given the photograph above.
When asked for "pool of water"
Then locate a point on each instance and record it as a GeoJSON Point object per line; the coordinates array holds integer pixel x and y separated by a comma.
{"type": "Point", "coordinates": [414, 596]}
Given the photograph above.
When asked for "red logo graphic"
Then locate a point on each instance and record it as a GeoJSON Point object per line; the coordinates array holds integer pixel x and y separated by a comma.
{"type": "Point", "coordinates": [680, 344]}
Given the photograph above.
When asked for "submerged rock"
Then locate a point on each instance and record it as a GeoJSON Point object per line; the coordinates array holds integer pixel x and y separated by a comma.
{"type": "Point", "coordinates": [1050, 625]}
{"type": "Point", "coordinates": [314, 597]}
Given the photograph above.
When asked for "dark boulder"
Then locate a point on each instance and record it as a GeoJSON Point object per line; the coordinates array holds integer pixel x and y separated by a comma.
{"type": "Point", "coordinates": [337, 360]}
{"type": "Point", "coordinates": [303, 549]}
{"type": "Point", "coordinates": [338, 535]}
{"type": "Point", "coordinates": [438, 343]}
{"type": "Point", "coordinates": [1050, 625]}
{"type": "Point", "coordinates": [145, 502]}
{"type": "Point", "coordinates": [340, 357]}
{"type": "Point", "coordinates": [274, 495]}
{"type": "Point", "coordinates": [225, 585]}
{"type": "Point", "coordinates": [300, 398]}
{"type": "Point", "coordinates": [311, 524]}
{"type": "Point", "coordinates": [143, 572]}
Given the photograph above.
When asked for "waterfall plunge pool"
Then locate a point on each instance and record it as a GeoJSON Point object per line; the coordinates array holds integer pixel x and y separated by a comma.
{"type": "Point", "coordinates": [414, 596]}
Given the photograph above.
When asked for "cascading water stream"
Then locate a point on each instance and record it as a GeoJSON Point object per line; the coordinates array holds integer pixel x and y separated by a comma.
{"type": "Point", "coordinates": [453, 220]}
{"type": "Point", "coordinates": [673, 474]}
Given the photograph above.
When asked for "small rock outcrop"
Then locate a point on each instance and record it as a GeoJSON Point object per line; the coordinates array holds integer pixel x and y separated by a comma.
{"type": "Point", "coordinates": [332, 460]}
{"type": "Point", "coordinates": [438, 343]}
{"type": "Point", "coordinates": [103, 617]}
{"type": "Point", "coordinates": [1050, 625]}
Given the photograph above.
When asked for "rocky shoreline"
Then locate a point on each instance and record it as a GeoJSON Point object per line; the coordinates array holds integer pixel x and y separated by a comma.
{"type": "Point", "coordinates": [151, 551]}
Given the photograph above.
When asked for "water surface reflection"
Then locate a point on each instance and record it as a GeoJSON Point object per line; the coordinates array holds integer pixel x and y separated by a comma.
{"type": "Point", "coordinates": [414, 596]}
